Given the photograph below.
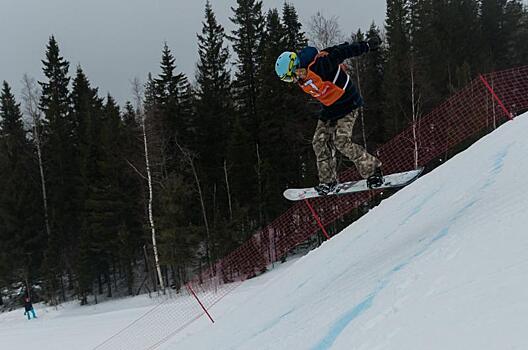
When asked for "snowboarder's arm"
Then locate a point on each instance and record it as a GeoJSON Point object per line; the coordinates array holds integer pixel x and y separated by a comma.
{"type": "Point", "coordinates": [337, 54]}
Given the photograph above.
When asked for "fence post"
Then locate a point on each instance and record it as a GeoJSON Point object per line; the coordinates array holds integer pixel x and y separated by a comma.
{"type": "Point", "coordinates": [485, 82]}
{"type": "Point", "coordinates": [316, 217]}
{"type": "Point", "coordinates": [199, 302]}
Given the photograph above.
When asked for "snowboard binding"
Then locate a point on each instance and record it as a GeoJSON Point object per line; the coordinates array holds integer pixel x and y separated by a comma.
{"type": "Point", "coordinates": [376, 179]}
{"type": "Point", "coordinates": [324, 188]}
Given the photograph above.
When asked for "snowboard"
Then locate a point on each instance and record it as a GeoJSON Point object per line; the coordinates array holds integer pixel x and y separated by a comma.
{"type": "Point", "coordinates": [389, 181]}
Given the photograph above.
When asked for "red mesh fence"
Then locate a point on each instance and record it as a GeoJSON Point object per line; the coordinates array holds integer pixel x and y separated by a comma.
{"type": "Point", "coordinates": [466, 115]}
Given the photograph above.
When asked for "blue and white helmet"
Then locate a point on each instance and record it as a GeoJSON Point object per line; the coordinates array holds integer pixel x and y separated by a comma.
{"type": "Point", "coordinates": [285, 66]}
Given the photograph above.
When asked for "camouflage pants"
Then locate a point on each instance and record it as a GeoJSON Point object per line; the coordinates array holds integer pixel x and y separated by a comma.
{"type": "Point", "coordinates": [337, 135]}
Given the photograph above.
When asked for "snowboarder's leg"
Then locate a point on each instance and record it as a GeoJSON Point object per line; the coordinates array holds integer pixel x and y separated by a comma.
{"type": "Point", "coordinates": [365, 163]}
{"type": "Point", "coordinates": [325, 152]}
{"type": "Point", "coordinates": [33, 312]}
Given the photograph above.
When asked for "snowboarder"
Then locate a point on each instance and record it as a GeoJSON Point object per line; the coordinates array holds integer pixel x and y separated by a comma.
{"type": "Point", "coordinates": [28, 306]}
{"type": "Point", "coordinates": [322, 75]}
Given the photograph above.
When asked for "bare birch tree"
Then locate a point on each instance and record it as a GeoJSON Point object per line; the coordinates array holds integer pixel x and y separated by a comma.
{"type": "Point", "coordinates": [31, 98]}
{"type": "Point", "coordinates": [228, 191]}
{"type": "Point", "coordinates": [137, 91]}
{"type": "Point", "coordinates": [258, 168]}
{"type": "Point", "coordinates": [324, 32]}
{"type": "Point", "coordinates": [416, 98]}
{"type": "Point", "coordinates": [416, 103]}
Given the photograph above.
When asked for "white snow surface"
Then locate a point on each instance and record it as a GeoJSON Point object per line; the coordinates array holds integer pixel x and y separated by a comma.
{"type": "Point", "coordinates": [442, 264]}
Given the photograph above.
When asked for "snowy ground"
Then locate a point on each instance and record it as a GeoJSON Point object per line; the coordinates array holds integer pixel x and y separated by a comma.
{"type": "Point", "coordinates": [442, 264]}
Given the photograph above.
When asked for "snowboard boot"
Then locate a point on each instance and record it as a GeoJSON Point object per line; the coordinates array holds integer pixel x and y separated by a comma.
{"type": "Point", "coordinates": [325, 188]}
{"type": "Point", "coordinates": [376, 179]}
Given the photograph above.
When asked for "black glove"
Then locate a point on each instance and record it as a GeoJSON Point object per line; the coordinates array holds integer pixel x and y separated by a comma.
{"type": "Point", "coordinates": [374, 43]}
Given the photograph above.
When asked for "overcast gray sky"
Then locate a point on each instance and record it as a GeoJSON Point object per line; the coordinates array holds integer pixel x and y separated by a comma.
{"type": "Point", "coordinates": [117, 40]}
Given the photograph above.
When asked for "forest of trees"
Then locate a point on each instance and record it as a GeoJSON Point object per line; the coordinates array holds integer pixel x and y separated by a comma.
{"type": "Point", "coordinates": [199, 163]}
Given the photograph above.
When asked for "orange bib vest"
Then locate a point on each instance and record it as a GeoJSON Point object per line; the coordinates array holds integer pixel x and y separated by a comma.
{"type": "Point", "coordinates": [326, 92]}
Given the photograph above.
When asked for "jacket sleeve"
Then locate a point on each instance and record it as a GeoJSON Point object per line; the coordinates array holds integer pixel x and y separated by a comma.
{"type": "Point", "coordinates": [337, 54]}
{"type": "Point", "coordinates": [306, 56]}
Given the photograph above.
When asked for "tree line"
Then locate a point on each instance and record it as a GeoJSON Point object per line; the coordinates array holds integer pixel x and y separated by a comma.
{"type": "Point", "coordinates": [97, 198]}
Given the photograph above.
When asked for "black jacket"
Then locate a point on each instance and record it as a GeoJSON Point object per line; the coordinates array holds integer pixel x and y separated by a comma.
{"type": "Point", "coordinates": [28, 305]}
{"type": "Point", "coordinates": [326, 67]}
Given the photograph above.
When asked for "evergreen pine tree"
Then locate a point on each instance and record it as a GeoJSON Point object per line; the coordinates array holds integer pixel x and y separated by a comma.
{"type": "Point", "coordinates": [179, 238]}
{"type": "Point", "coordinates": [174, 98]}
{"type": "Point", "coordinates": [131, 186]}
{"type": "Point", "coordinates": [274, 164]}
{"type": "Point", "coordinates": [213, 103]}
{"type": "Point", "coordinates": [298, 110]}
{"type": "Point", "coordinates": [426, 47]}
{"type": "Point", "coordinates": [492, 19]}
{"type": "Point", "coordinates": [516, 30]}
{"type": "Point", "coordinates": [86, 107]}
{"type": "Point", "coordinates": [397, 70]}
{"type": "Point", "coordinates": [11, 124]}
{"type": "Point", "coordinates": [21, 232]}
{"type": "Point", "coordinates": [59, 154]}
{"type": "Point", "coordinates": [287, 123]}
{"type": "Point", "coordinates": [446, 47]}
{"type": "Point", "coordinates": [214, 111]}
{"type": "Point", "coordinates": [521, 51]}
{"type": "Point", "coordinates": [86, 114]}
{"type": "Point", "coordinates": [248, 46]}
{"type": "Point", "coordinates": [372, 91]}
{"type": "Point", "coordinates": [109, 199]}
{"type": "Point", "coordinates": [462, 43]}
{"type": "Point", "coordinates": [504, 26]}
{"type": "Point", "coordinates": [294, 37]}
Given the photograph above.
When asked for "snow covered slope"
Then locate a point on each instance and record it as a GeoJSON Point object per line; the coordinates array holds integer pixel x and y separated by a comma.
{"type": "Point", "coordinates": [442, 264]}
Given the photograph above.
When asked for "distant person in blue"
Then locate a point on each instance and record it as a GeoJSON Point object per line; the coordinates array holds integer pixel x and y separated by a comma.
{"type": "Point", "coordinates": [28, 306]}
